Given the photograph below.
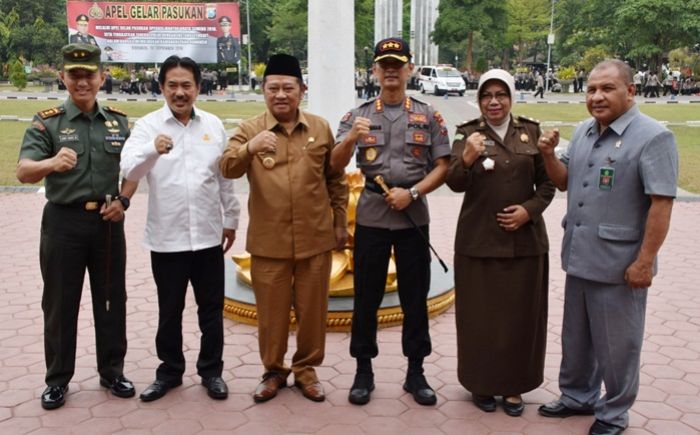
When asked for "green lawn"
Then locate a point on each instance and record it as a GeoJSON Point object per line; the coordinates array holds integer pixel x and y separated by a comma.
{"type": "Point", "coordinates": [136, 109]}
{"type": "Point", "coordinates": [688, 138]}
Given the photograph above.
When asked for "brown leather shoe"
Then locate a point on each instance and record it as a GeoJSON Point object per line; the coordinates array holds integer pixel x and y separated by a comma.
{"type": "Point", "coordinates": [267, 389]}
{"type": "Point", "coordinates": [312, 391]}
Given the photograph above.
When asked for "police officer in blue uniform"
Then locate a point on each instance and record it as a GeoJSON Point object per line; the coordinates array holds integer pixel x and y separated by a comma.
{"type": "Point", "coordinates": [75, 148]}
{"type": "Point", "coordinates": [405, 141]}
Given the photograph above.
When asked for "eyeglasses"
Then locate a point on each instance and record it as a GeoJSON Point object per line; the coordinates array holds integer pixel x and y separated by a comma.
{"type": "Point", "coordinates": [500, 96]}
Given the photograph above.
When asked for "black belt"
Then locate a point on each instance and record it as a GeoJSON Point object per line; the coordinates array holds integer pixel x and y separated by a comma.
{"type": "Point", "coordinates": [376, 188]}
{"type": "Point", "coordinates": [83, 205]}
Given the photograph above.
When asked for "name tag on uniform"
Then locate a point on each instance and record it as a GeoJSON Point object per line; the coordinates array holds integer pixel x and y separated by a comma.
{"type": "Point", "coordinates": [606, 178]}
{"type": "Point", "coordinates": [489, 143]}
{"type": "Point", "coordinates": [68, 138]}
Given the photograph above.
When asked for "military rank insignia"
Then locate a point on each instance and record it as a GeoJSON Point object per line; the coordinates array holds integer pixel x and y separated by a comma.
{"type": "Point", "coordinates": [49, 113]}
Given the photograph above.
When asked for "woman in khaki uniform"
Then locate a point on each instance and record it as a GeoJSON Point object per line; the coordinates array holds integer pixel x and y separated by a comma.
{"type": "Point", "coordinates": [501, 249]}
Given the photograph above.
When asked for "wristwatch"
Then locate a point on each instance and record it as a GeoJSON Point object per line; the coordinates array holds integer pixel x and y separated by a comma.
{"type": "Point", "coordinates": [415, 194]}
{"type": "Point", "coordinates": [124, 200]}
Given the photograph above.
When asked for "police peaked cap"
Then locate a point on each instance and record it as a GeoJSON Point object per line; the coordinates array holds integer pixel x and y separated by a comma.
{"type": "Point", "coordinates": [395, 48]}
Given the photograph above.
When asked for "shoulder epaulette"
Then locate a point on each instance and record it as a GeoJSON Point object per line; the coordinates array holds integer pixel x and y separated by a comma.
{"type": "Point", "coordinates": [469, 122]}
{"type": "Point", "coordinates": [50, 113]}
{"type": "Point", "coordinates": [419, 101]}
{"type": "Point", "coordinates": [530, 120]}
{"type": "Point", "coordinates": [370, 101]}
{"type": "Point", "coordinates": [115, 110]}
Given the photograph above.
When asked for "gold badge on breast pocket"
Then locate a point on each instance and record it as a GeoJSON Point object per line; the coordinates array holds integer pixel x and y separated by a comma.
{"type": "Point", "coordinates": [371, 154]}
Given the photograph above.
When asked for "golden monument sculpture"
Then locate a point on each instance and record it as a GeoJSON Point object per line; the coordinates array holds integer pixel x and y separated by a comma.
{"type": "Point", "coordinates": [239, 306]}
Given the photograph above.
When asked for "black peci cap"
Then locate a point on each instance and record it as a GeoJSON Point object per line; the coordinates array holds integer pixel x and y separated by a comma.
{"type": "Point", "coordinates": [283, 65]}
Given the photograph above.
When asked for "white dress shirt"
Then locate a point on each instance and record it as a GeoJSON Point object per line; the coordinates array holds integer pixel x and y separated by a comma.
{"type": "Point", "coordinates": [189, 202]}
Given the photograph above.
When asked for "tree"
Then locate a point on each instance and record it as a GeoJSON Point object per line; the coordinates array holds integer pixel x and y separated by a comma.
{"type": "Point", "coordinates": [289, 27]}
{"type": "Point", "coordinates": [459, 20]}
{"type": "Point", "coordinates": [18, 77]}
{"type": "Point", "coordinates": [528, 24]}
{"type": "Point", "coordinates": [653, 28]}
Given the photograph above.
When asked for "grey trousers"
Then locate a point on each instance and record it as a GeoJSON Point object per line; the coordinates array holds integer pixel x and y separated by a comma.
{"type": "Point", "coordinates": [602, 339]}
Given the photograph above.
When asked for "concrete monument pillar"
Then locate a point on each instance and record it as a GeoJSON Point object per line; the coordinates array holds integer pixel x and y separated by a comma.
{"type": "Point", "coordinates": [331, 59]}
{"type": "Point", "coordinates": [424, 13]}
{"type": "Point", "coordinates": [387, 19]}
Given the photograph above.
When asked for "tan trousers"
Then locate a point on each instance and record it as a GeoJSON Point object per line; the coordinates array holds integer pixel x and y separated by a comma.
{"type": "Point", "coordinates": [280, 285]}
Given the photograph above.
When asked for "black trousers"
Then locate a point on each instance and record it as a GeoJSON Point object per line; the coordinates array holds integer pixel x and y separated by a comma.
{"type": "Point", "coordinates": [371, 259]}
{"type": "Point", "coordinates": [73, 240]}
{"type": "Point", "coordinates": [172, 271]}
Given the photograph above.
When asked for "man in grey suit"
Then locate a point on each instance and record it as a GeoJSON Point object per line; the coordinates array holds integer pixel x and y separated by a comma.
{"type": "Point", "coordinates": [621, 171]}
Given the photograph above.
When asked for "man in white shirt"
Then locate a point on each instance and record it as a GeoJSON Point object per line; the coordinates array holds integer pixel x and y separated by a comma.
{"type": "Point", "coordinates": [192, 213]}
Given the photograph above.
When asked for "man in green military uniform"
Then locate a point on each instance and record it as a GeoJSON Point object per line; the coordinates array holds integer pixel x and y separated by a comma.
{"type": "Point", "coordinates": [82, 36]}
{"type": "Point", "coordinates": [76, 148]}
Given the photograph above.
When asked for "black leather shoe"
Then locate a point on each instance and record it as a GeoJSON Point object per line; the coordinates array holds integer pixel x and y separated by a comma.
{"type": "Point", "coordinates": [157, 390]}
{"type": "Point", "coordinates": [603, 428]}
{"type": "Point", "coordinates": [558, 409]}
{"type": "Point", "coordinates": [484, 403]}
{"type": "Point", "coordinates": [361, 389]}
{"type": "Point", "coordinates": [514, 409]}
{"type": "Point", "coordinates": [53, 397]}
{"type": "Point", "coordinates": [419, 388]}
{"type": "Point", "coordinates": [119, 386]}
{"type": "Point", "coordinates": [216, 387]}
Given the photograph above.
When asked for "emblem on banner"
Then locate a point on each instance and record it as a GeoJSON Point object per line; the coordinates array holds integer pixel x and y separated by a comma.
{"type": "Point", "coordinates": [211, 12]}
{"type": "Point", "coordinates": [95, 12]}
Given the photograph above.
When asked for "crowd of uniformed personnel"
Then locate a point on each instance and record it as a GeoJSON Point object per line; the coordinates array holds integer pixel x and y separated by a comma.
{"type": "Point", "coordinates": [620, 170]}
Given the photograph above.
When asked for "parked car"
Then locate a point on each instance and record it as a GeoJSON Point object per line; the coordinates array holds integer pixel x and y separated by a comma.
{"type": "Point", "coordinates": [441, 79]}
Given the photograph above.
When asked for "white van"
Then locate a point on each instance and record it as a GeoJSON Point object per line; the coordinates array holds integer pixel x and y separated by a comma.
{"type": "Point", "coordinates": [441, 79]}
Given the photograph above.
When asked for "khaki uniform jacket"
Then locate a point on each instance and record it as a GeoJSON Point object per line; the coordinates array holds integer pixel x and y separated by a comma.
{"type": "Point", "coordinates": [519, 177]}
{"type": "Point", "coordinates": [294, 206]}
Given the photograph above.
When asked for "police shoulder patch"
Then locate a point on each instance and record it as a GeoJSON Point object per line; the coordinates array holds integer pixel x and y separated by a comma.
{"type": "Point", "coordinates": [49, 113]}
{"type": "Point", "coordinates": [115, 110]}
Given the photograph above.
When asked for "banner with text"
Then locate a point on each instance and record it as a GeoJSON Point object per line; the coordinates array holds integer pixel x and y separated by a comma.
{"type": "Point", "coordinates": [150, 32]}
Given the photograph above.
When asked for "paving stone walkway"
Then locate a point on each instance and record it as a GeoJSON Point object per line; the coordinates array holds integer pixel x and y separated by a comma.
{"type": "Point", "coordinates": [668, 403]}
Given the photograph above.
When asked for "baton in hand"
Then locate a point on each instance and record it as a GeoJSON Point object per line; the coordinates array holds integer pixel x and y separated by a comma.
{"type": "Point", "coordinates": [380, 181]}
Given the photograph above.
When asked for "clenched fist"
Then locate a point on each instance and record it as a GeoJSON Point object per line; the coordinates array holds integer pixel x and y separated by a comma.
{"type": "Point", "coordinates": [548, 141]}
{"type": "Point", "coordinates": [163, 143]}
{"type": "Point", "coordinates": [263, 142]}
{"type": "Point", "coordinates": [473, 148]}
{"type": "Point", "coordinates": [360, 128]}
{"type": "Point", "coordinates": [65, 160]}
